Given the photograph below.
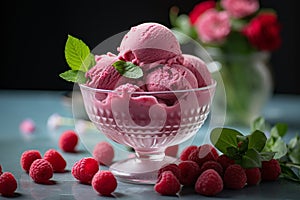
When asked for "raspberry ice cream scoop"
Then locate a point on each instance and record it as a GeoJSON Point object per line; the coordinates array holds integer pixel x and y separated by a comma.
{"type": "Point", "coordinates": [148, 43]}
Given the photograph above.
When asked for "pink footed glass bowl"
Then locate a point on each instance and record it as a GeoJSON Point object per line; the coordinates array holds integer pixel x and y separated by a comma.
{"type": "Point", "coordinates": [148, 125]}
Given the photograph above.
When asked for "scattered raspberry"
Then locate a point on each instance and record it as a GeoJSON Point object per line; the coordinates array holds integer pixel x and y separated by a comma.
{"type": "Point", "coordinates": [172, 151]}
{"type": "Point", "coordinates": [235, 177]}
{"type": "Point", "coordinates": [209, 183]}
{"type": "Point", "coordinates": [203, 153]}
{"type": "Point", "coordinates": [104, 182]}
{"type": "Point", "coordinates": [225, 161]}
{"type": "Point", "coordinates": [27, 126]}
{"type": "Point", "coordinates": [270, 170]}
{"type": "Point", "coordinates": [104, 153]}
{"type": "Point", "coordinates": [41, 171]}
{"type": "Point", "coordinates": [189, 171]}
{"type": "Point", "coordinates": [186, 152]}
{"type": "Point", "coordinates": [253, 176]}
{"type": "Point", "coordinates": [167, 184]}
{"type": "Point", "coordinates": [8, 184]}
{"type": "Point", "coordinates": [56, 160]}
{"type": "Point", "coordinates": [170, 167]}
{"type": "Point", "coordinates": [84, 170]}
{"type": "Point", "coordinates": [68, 141]}
{"type": "Point", "coordinates": [28, 157]}
{"type": "Point", "coordinates": [212, 165]}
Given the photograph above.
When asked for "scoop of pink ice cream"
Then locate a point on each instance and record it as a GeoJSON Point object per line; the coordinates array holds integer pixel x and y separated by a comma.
{"type": "Point", "coordinates": [148, 43]}
{"type": "Point", "coordinates": [198, 68]}
{"type": "Point", "coordinates": [170, 78]}
{"type": "Point", "coordinates": [103, 75]}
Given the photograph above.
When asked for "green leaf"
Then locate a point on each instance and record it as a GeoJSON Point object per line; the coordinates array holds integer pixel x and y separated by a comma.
{"type": "Point", "coordinates": [288, 173]}
{"type": "Point", "coordinates": [294, 150]}
{"type": "Point", "coordinates": [233, 153]}
{"type": "Point", "coordinates": [279, 130]}
{"type": "Point", "coordinates": [128, 69]}
{"type": "Point", "coordinates": [280, 148]}
{"type": "Point", "coordinates": [77, 54]}
{"type": "Point", "coordinates": [73, 76]}
{"type": "Point", "coordinates": [258, 124]}
{"type": "Point", "coordinates": [257, 140]}
{"type": "Point", "coordinates": [222, 138]}
{"type": "Point", "coordinates": [266, 156]}
{"type": "Point", "coordinates": [251, 159]}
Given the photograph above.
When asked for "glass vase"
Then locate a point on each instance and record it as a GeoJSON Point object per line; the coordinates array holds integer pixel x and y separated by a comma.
{"type": "Point", "coordinates": [248, 85]}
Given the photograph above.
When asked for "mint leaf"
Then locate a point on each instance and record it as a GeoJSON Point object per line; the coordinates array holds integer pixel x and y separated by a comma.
{"type": "Point", "coordinates": [251, 159]}
{"type": "Point", "coordinates": [279, 147]}
{"type": "Point", "coordinates": [258, 124]}
{"type": "Point", "coordinates": [279, 130]}
{"type": "Point", "coordinates": [222, 138]}
{"type": "Point", "coordinates": [288, 173]}
{"type": "Point", "coordinates": [266, 156]}
{"type": "Point", "coordinates": [77, 54]}
{"type": "Point", "coordinates": [128, 69]}
{"type": "Point", "coordinates": [233, 153]}
{"type": "Point", "coordinates": [257, 140]}
{"type": "Point", "coordinates": [294, 150]}
{"type": "Point", "coordinates": [73, 76]}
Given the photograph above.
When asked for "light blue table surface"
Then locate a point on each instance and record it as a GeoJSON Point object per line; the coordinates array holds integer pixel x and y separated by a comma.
{"type": "Point", "coordinates": [17, 105]}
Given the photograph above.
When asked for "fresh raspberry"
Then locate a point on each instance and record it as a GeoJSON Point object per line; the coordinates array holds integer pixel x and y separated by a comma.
{"type": "Point", "coordinates": [186, 152]}
{"type": "Point", "coordinates": [68, 141]}
{"type": "Point", "coordinates": [253, 176]}
{"type": "Point", "coordinates": [28, 157]}
{"type": "Point", "coordinates": [225, 161]}
{"type": "Point", "coordinates": [84, 170]}
{"type": "Point", "coordinates": [270, 170]}
{"type": "Point", "coordinates": [56, 160]}
{"type": "Point", "coordinates": [203, 153]}
{"type": "Point", "coordinates": [41, 171]}
{"type": "Point", "coordinates": [212, 165]}
{"type": "Point", "coordinates": [235, 177]}
{"type": "Point", "coordinates": [189, 171]}
{"type": "Point", "coordinates": [170, 167]}
{"type": "Point", "coordinates": [209, 183]}
{"type": "Point", "coordinates": [104, 153]}
{"type": "Point", "coordinates": [167, 184]}
{"type": "Point", "coordinates": [104, 182]}
{"type": "Point", "coordinates": [0, 170]}
{"type": "Point", "coordinates": [8, 184]}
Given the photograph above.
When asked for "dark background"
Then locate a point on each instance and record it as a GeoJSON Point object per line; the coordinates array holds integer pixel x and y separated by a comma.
{"type": "Point", "coordinates": [34, 34]}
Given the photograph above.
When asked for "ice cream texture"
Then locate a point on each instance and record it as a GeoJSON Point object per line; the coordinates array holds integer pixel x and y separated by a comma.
{"type": "Point", "coordinates": [158, 103]}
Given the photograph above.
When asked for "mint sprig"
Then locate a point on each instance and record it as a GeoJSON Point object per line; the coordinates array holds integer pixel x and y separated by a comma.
{"type": "Point", "coordinates": [128, 69]}
{"type": "Point", "coordinates": [245, 150]}
{"type": "Point", "coordinates": [79, 58]}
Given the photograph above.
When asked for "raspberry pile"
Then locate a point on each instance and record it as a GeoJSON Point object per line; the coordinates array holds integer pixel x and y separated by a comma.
{"type": "Point", "coordinates": [209, 173]}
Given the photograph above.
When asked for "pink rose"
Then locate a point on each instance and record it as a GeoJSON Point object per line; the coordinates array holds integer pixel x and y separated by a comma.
{"type": "Point", "coordinates": [240, 8]}
{"type": "Point", "coordinates": [263, 32]}
{"type": "Point", "coordinates": [213, 26]}
{"type": "Point", "coordinates": [199, 9]}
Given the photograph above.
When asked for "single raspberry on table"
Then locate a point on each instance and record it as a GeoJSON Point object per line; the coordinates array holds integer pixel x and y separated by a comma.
{"type": "Point", "coordinates": [56, 160]}
{"type": "Point", "coordinates": [209, 183]}
{"type": "Point", "coordinates": [8, 184]}
{"type": "Point", "coordinates": [225, 161]}
{"type": "Point", "coordinates": [167, 184]}
{"type": "Point", "coordinates": [203, 153]}
{"type": "Point", "coordinates": [186, 152]}
{"type": "Point", "coordinates": [41, 171]}
{"type": "Point", "coordinates": [253, 176]}
{"type": "Point", "coordinates": [270, 170]}
{"type": "Point", "coordinates": [189, 171]}
{"type": "Point", "coordinates": [68, 141]}
{"type": "Point", "coordinates": [104, 182]}
{"type": "Point", "coordinates": [84, 169]}
{"type": "Point", "coordinates": [212, 165]}
{"type": "Point", "coordinates": [28, 157]}
{"type": "Point", "coordinates": [170, 167]}
{"type": "Point", "coordinates": [103, 152]}
{"type": "Point", "coordinates": [235, 177]}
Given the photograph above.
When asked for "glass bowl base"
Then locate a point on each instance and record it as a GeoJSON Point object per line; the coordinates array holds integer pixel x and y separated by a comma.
{"type": "Point", "coordinates": [139, 170]}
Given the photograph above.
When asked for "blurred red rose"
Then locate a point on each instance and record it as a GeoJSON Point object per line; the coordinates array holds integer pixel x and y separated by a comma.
{"type": "Point", "coordinates": [263, 32]}
{"type": "Point", "coordinates": [199, 9]}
